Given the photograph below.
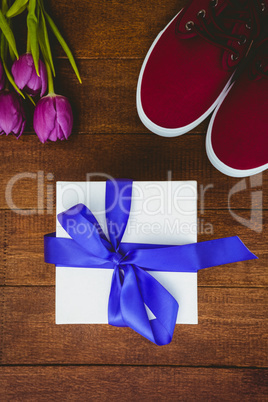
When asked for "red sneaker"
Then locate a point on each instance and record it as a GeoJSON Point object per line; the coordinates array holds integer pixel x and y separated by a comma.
{"type": "Point", "coordinates": [190, 64]}
{"type": "Point", "coordinates": [237, 138]}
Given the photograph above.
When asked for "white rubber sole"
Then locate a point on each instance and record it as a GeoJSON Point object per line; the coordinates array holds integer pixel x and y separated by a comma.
{"type": "Point", "coordinates": [170, 132]}
{"type": "Point", "coordinates": [216, 162]}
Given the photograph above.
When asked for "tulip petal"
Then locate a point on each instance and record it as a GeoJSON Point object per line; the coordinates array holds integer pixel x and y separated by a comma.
{"type": "Point", "coordinates": [34, 84]}
{"type": "Point", "coordinates": [12, 116]}
{"type": "Point", "coordinates": [26, 78]}
{"type": "Point", "coordinates": [19, 128]}
{"type": "Point", "coordinates": [8, 113]}
{"type": "Point", "coordinates": [54, 134]}
{"type": "Point", "coordinates": [53, 118]}
{"type": "Point", "coordinates": [22, 128]}
{"type": "Point", "coordinates": [43, 76]}
{"type": "Point", "coordinates": [60, 133]}
{"type": "Point", "coordinates": [22, 70]}
{"type": "Point", "coordinates": [44, 118]}
{"type": "Point", "coordinates": [64, 115]}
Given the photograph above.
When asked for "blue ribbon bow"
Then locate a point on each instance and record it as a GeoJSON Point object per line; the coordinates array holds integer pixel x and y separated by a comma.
{"type": "Point", "coordinates": [132, 286]}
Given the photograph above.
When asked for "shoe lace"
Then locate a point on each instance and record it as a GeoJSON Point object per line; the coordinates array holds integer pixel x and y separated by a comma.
{"type": "Point", "coordinates": [217, 29]}
{"type": "Point", "coordinates": [256, 63]}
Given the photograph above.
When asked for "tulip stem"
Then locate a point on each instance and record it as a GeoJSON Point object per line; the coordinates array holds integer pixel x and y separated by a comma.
{"type": "Point", "coordinates": [49, 79]}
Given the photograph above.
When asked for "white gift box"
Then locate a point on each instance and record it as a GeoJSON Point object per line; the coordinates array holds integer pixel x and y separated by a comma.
{"type": "Point", "coordinates": [161, 213]}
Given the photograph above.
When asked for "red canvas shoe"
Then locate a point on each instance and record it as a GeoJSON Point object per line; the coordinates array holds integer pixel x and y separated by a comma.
{"type": "Point", "coordinates": [190, 64]}
{"type": "Point", "coordinates": [237, 138]}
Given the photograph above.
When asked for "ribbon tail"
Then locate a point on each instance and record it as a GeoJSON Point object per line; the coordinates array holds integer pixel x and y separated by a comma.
{"type": "Point", "coordinates": [161, 303]}
{"type": "Point", "coordinates": [132, 305]}
{"type": "Point", "coordinates": [114, 311]}
{"type": "Point", "coordinates": [127, 301]}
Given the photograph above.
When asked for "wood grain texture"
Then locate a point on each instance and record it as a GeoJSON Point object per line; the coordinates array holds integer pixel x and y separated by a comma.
{"type": "Point", "coordinates": [224, 357]}
{"type": "Point", "coordinates": [24, 260]}
{"type": "Point", "coordinates": [232, 331]}
{"type": "Point", "coordinates": [112, 29]}
{"type": "Point", "coordinates": [145, 157]}
{"type": "Point", "coordinates": [1, 322]}
{"type": "Point", "coordinates": [106, 384]}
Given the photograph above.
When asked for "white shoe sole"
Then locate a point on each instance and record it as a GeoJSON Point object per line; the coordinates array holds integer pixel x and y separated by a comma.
{"type": "Point", "coordinates": [170, 132]}
{"type": "Point", "coordinates": [216, 162]}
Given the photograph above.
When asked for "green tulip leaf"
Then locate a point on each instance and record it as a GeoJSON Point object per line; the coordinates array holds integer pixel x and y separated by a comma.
{"type": "Point", "coordinates": [4, 6]}
{"type": "Point", "coordinates": [4, 11]}
{"type": "Point", "coordinates": [63, 45]}
{"type": "Point", "coordinates": [17, 8]}
{"type": "Point", "coordinates": [3, 58]}
{"type": "Point", "coordinates": [12, 54]}
{"type": "Point", "coordinates": [11, 80]}
{"type": "Point", "coordinates": [4, 26]}
{"type": "Point", "coordinates": [44, 42]}
{"type": "Point", "coordinates": [32, 24]}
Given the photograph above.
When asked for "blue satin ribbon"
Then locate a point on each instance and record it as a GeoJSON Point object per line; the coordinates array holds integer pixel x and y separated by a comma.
{"type": "Point", "coordinates": [132, 285]}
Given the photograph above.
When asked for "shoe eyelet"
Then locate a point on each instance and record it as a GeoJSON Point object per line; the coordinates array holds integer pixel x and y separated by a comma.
{"type": "Point", "coordinates": [214, 3]}
{"type": "Point", "coordinates": [262, 7]}
{"type": "Point", "coordinates": [234, 57]}
{"type": "Point", "coordinates": [201, 13]}
{"type": "Point", "coordinates": [242, 40]}
{"type": "Point", "coordinates": [189, 25]}
{"type": "Point", "coordinates": [248, 25]}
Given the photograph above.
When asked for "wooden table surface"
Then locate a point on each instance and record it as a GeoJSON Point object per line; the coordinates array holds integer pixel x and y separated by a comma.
{"type": "Point", "coordinates": [222, 358]}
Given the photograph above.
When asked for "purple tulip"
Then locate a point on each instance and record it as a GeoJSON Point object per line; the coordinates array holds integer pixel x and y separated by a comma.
{"type": "Point", "coordinates": [26, 78]}
{"type": "Point", "coordinates": [12, 114]}
{"type": "Point", "coordinates": [53, 118]}
{"type": "Point", "coordinates": [2, 77]}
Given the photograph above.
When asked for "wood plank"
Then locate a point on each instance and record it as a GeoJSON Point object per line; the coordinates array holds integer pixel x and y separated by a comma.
{"type": "Point", "coordinates": [2, 252]}
{"type": "Point", "coordinates": [110, 43]}
{"type": "Point", "coordinates": [232, 331]}
{"type": "Point", "coordinates": [24, 261]}
{"type": "Point", "coordinates": [1, 322]}
{"type": "Point", "coordinates": [145, 157]}
{"type": "Point", "coordinates": [110, 29]}
{"type": "Point", "coordinates": [132, 384]}
{"type": "Point", "coordinates": [106, 101]}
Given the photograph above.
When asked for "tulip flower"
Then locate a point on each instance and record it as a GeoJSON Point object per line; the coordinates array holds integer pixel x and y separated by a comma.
{"type": "Point", "coordinates": [26, 78]}
{"type": "Point", "coordinates": [53, 118]}
{"type": "Point", "coordinates": [2, 77]}
{"type": "Point", "coordinates": [12, 114]}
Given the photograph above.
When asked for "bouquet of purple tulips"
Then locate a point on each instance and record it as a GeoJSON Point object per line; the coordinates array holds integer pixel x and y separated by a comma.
{"type": "Point", "coordinates": [30, 76]}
